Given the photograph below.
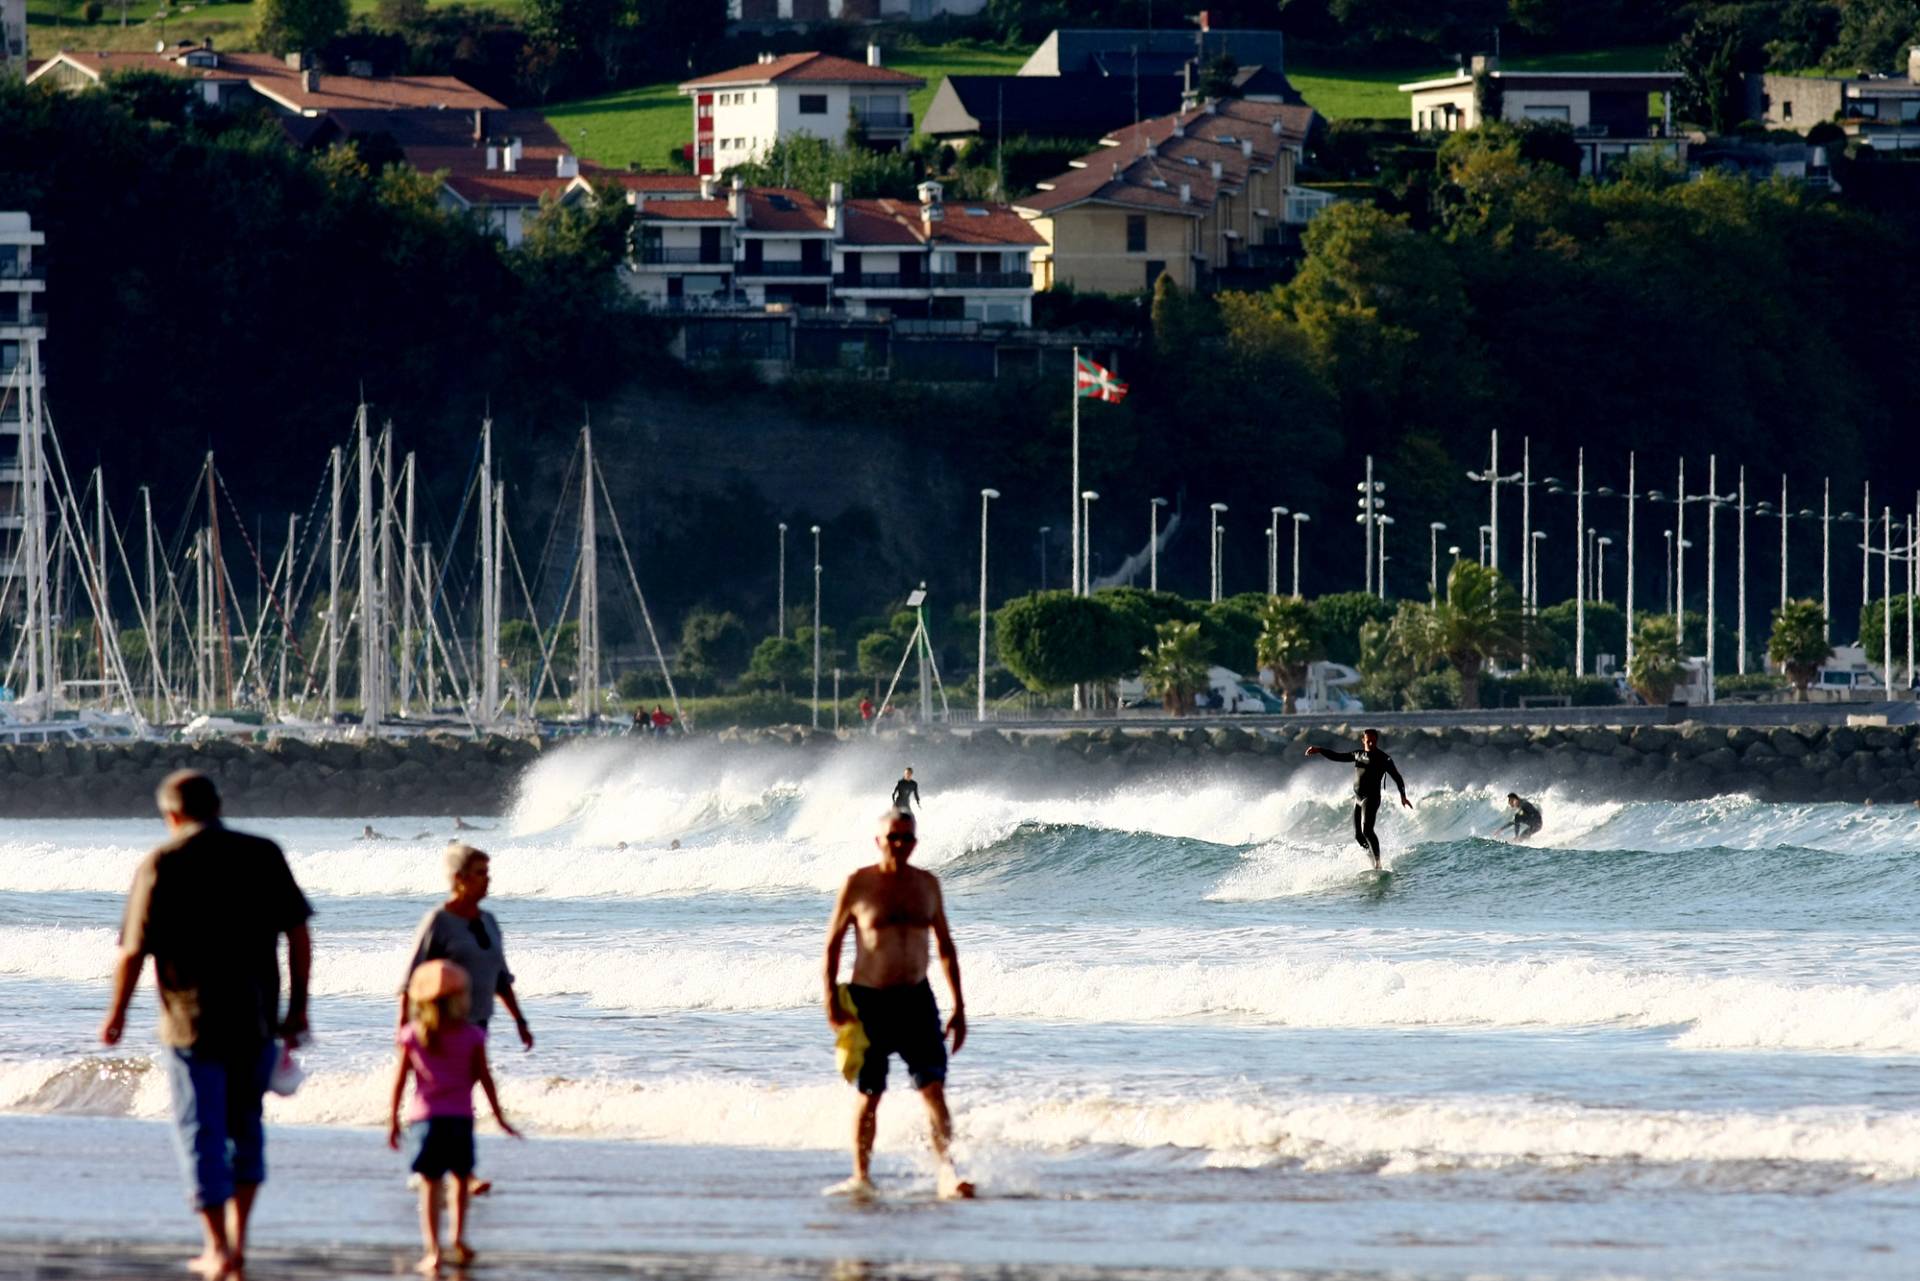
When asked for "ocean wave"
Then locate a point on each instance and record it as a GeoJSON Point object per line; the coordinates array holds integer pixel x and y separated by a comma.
{"type": "Point", "coordinates": [1242, 1127]}
{"type": "Point", "coordinates": [1331, 984]}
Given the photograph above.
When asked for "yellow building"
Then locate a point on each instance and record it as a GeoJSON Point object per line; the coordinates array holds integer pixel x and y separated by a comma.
{"type": "Point", "coordinates": [1187, 195]}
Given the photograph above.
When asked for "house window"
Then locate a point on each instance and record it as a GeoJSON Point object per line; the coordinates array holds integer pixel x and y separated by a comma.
{"type": "Point", "coordinates": [813, 104]}
{"type": "Point", "coordinates": [1786, 111]}
{"type": "Point", "coordinates": [1547, 111]}
{"type": "Point", "coordinates": [1909, 110]}
{"type": "Point", "coordinates": [1136, 233]}
{"type": "Point", "coordinates": [1155, 270]}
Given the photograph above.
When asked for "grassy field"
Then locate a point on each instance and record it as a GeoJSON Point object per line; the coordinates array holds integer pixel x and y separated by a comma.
{"type": "Point", "coordinates": [1343, 92]}
{"type": "Point", "coordinates": [57, 24]}
{"type": "Point", "coordinates": [643, 124]}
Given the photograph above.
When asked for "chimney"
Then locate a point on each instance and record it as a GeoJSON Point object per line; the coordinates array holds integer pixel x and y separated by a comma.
{"type": "Point", "coordinates": [873, 55]}
{"type": "Point", "coordinates": [1483, 62]}
{"type": "Point", "coordinates": [510, 157]}
{"type": "Point", "coordinates": [479, 124]}
{"type": "Point", "coordinates": [206, 42]}
{"type": "Point", "coordinates": [519, 148]}
{"type": "Point", "coordinates": [566, 166]}
{"type": "Point", "coordinates": [1277, 130]}
{"type": "Point", "coordinates": [1217, 171]}
{"type": "Point", "coordinates": [493, 157]}
{"type": "Point", "coordinates": [930, 209]}
{"type": "Point", "coordinates": [836, 205]}
{"type": "Point", "coordinates": [737, 202]}
{"type": "Point", "coordinates": [1179, 129]}
{"type": "Point", "coordinates": [1153, 149]}
{"type": "Point", "coordinates": [1186, 193]}
{"type": "Point", "coordinates": [706, 186]}
{"type": "Point", "coordinates": [310, 81]}
{"type": "Point", "coordinates": [298, 60]}
{"type": "Point", "coordinates": [1246, 148]}
{"type": "Point", "coordinates": [1208, 106]}
{"type": "Point", "coordinates": [765, 58]}
{"type": "Point", "coordinates": [1913, 65]}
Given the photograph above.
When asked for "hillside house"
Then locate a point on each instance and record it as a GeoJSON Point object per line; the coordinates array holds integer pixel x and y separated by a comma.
{"type": "Point", "coordinates": [1879, 111]}
{"type": "Point", "coordinates": [1607, 110]}
{"type": "Point", "coordinates": [738, 114]}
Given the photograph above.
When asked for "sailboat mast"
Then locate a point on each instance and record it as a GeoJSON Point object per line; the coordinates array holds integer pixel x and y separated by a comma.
{"type": "Point", "coordinates": [489, 592]}
{"type": "Point", "coordinates": [102, 618]}
{"type": "Point", "coordinates": [219, 588]}
{"type": "Point", "coordinates": [499, 552]}
{"type": "Point", "coordinates": [587, 677]}
{"type": "Point", "coordinates": [372, 665]}
{"type": "Point", "coordinates": [426, 580]}
{"type": "Point", "coordinates": [333, 597]}
{"type": "Point", "coordinates": [153, 602]}
{"type": "Point", "coordinates": [286, 617]}
{"type": "Point", "coordinates": [406, 595]}
{"type": "Point", "coordinates": [33, 478]}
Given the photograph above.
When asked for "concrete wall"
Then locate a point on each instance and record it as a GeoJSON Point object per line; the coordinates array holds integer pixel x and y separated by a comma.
{"type": "Point", "coordinates": [1087, 248]}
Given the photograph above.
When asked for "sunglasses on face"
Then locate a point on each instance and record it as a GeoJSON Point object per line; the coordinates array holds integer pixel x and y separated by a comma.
{"type": "Point", "coordinates": [478, 928]}
{"type": "Point", "coordinates": [902, 838]}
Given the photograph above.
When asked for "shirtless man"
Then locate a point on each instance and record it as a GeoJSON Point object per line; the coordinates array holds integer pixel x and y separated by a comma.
{"type": "Point", "coordinates": [892, 908]}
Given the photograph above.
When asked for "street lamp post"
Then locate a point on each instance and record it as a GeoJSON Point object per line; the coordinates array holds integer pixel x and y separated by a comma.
{"type": "Point", "coordinates": [1153, 543]}
{"type": "Point", "coordinates": [1535, 538]}
{"type": "Point", "coordinates": [1381, 578]}
{"type": "Point", "coordinates": [1213, 542]}
{"type": "Point", "coordinates": [1714, 499]}
{"type": "Point", "coordinates": [1484, 531]}
{"type": "Point", "coordinates": [1600, 568]}
{"type": "Point", "coordinates": [1669, 534]}
{"type": "Point", "coordinates": [980, 710]}
{"type": "Point", "coordinates": [816, 627]}
{"type": "Point", "coordinates": [1044, 531]}
{"type": "Point", "coordinates": [1740, 631]}
{"type": "Point", "coordinates": [1370, 505]}
{"type": "Point", "coordinates": [783, 580]}
{"type": "Point", "coordinates": [1299, 519]}
{"type": "Point", "coordinates": [1434, 531]}
{"type": "Point", "coordinates": [1273, 549]}
{"type": "Point", "coordinates": [1219, 546]}
{"type": "Point", "coordinates": [1492, 478]}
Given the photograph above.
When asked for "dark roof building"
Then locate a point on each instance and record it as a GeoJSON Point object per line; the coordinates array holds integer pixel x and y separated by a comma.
{"type": "Point", "coordinates": [1080, 105]}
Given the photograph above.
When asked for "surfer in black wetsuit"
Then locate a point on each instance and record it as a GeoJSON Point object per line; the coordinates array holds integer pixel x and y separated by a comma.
{"type": "Point", "coordinates": [1526, 819]}
{"type": "Point", "coordinates": [1370, 764]}
{"type": "Point", "coordinates": [906, 793]}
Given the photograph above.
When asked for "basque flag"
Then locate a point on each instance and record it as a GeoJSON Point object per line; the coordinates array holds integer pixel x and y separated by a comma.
{"type": "Point", "coordinates": [1091, 380]}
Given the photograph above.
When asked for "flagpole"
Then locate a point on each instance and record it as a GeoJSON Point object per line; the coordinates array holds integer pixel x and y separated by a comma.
{"type": "Point", "coordinates": [1073, 495]}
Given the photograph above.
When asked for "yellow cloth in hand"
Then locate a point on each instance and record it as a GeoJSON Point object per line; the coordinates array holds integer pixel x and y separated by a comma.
{"type": "Point", "coordinates": [849, 1039]}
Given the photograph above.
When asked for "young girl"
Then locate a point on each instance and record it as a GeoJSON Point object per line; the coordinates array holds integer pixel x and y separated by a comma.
{"type": "Point", "coordinates": [447, 1056]}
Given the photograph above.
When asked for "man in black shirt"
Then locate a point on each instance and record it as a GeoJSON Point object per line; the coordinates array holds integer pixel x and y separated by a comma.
{"type": "Point", "coordinates": [209, 907]}
{"type": "Point", "coordinates": [1370, 764]}
{"type": "Point", "coordinates": [906, 793]}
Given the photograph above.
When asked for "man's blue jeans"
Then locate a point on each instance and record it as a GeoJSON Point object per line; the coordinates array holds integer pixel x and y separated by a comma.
{"type": "Point", "coordinates": [216, 1118]}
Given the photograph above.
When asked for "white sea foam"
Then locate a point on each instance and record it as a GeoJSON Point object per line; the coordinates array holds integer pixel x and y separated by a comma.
{"type": "Point", "coordinates": [1329, 983]}
{"type": "Point", "coordinates": [1392, 1136]}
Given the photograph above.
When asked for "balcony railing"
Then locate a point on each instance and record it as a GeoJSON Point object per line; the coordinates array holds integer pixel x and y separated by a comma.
{"type": "Point", "coordinates": [888, 120]}
{"type": "Point", "coordinates": [879, 280]}
{"type": "Point", "coordinates": [783, 267]}
{"type": "Point", "coordinates": [983, 280]}
{"type": "Point", "coordinates": [13, 270]}
{"type": "Point", "coordinates": [32, 320]}
{"type": "Point", "coordinates": [656, 255]}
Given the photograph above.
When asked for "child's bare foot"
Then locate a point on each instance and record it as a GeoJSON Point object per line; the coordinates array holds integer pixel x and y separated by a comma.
{"type": "Point", "coordinates": [429, 1264]}
{"type": "Point", "coordinates": [210, 1265]}
{"type": "Point", "coordinates": [479, 1187]}
{"type": "Point", "coordinates": [463, 1253]}
{"type": "Point", "coordinates": [856, 1188]}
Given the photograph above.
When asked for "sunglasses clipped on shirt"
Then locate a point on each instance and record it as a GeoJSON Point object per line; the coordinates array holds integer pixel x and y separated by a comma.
{"type": "Point", "coordinates": [478, 928]}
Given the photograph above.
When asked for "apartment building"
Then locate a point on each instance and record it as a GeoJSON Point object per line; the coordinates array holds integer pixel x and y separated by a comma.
{"type": "Point", "coordinates": [1187, 195]}
{"type": "Point", "coordinates": [738, 114]}
{"type": "Point", "coordinates": [23, 323]}
{"type": "Point", "coordinates": [752, 247]}
{"type": "Point", "coordinates": [13, 39]}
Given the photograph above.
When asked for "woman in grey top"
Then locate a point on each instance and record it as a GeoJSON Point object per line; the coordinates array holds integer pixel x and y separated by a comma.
{"type": "Point", "coordinates": [459, 931]}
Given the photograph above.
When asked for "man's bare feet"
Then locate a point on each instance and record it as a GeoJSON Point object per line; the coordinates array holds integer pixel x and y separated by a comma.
{"type": "Point", "coordinates": [857, 1188]}
{"type": "Point", "coordinates": [210, 1265]}
{"type": "Point", "coordinates": [429, 1264]}
{"type": "Point", "coordinates": [951, 1187]}
{"type": "Point", "coordinates": [463, 1253]}
{"type": "Point", "coordinates": [479, 1187]}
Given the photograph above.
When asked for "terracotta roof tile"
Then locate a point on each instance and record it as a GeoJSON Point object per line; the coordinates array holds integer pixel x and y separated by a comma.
{"type": "Point", "coordinates": [805, 68]}
{"type": "Point", "coordinates": [498, 188]}
{"type": "Point", "coordinates": [684, 211]}
{"type": "Point", "coordinates": [783, 209]}
{"type": "Point", "coordinates": [972, 223]}
{"type": "Point", "coordinates": [272, 78]}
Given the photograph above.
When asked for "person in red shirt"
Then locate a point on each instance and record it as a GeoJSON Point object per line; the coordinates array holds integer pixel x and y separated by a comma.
{"type": "Point", "coordinates": [866, 710]}
{"type": "Point", "coordinates": [660, 719]}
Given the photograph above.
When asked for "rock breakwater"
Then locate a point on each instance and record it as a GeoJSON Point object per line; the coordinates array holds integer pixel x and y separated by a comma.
{"type": "Point", "coordinates": [426, 775]}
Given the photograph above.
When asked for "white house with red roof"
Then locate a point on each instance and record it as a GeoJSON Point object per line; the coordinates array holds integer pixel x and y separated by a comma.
{"type": "Point", "coordinates": [751, 247]}
{"type": "Point", "coordinates": [738, 114]}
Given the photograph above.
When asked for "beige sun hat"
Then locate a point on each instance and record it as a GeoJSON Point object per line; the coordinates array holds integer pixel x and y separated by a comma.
{"type": "Point", "coordinates": [435, 979]}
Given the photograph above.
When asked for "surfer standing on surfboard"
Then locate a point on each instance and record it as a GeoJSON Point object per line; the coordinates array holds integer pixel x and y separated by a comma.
{"type": "Point", "coordinates": [893, 908]}
{"type": "Point", "coordinates": [1370, 764]}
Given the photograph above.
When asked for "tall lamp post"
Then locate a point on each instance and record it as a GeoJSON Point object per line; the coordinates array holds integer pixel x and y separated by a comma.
{"type": "Point", "coordinates": [1370, 504]}
{"type": "Point", "coordinates": [1492, 478]}
{"type": "Point", "coordinates": [1273, 549]}
{"type": "Point", "coordinates": [980, 711]}
{"type": "Point", "coordinates": [1044, 531]}
{"type": "Point", "coordinates": [1153, 543]}
{"type": "Point", "coordinates": [1537, 537]}
{"type": "Point", "coordinates": [1632, 496]}
{"type": "Point", "coordinates": [1600, 568]}
{"type": "Point", "coordinates": [1381, 576]}
{"type": "Point", "coordinates": [816, 627]}
{"type": "Point", "coordinates": [1299, 519]}
{"type": "Point", "coordinates": [1714, 500]}
{"type": "Point", "coordinates": [1434, 530]}
{"type": "Point", "coordinates": [1580, 534]}
{"type": "Point", "coordinates": [1213, 542]}
{"type": "Point", "coordinates": [783, 580]}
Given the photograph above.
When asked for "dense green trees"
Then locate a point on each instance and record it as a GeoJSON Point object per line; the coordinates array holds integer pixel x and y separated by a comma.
{"type": "Point", "coordinates": [1874, 631]}
{"type": "Point", "coordinates": [1798, 642]}
{"type": "Point", "coordinates": [298, 26]}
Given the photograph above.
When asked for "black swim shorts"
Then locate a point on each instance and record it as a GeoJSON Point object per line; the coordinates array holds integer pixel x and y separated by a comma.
{"type": "Point", "coordinates": [901, 1020]}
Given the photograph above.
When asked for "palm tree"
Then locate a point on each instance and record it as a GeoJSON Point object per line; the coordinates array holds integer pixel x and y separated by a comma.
{"type": "Point", "coordinates": [1288, 644]}
{"type": "Point", "coordinates": [1479, 622]}
{"type": "Point", "coordinates": [1657, 662]}
{"type": "Point", "coordinates": [1176, 666]}
{"type": "Point", "coordinates": [1799, 643]}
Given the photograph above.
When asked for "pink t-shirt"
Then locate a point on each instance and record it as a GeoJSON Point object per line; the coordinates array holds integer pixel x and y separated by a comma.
{"type": "Point", "coordinates": [443, 1077]}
